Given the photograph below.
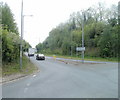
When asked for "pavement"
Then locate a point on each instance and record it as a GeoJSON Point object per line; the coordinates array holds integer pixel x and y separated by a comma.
{"type": "Point", "coordinates": [58, 79]}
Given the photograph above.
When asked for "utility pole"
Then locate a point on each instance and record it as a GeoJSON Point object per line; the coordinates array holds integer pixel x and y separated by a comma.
{"type": "Point", "coordinates": [21, 35]}
{"type": "Point", "coordinates": [119, 12]}
{"type": "Point", "coordinates": [118, 41]}
{"type": "Point", "coordinates": [82, 37]}
{"type": "Point", "coordinates": [71, 44]}
{"type": "Point", "coordinates": [21, 39]}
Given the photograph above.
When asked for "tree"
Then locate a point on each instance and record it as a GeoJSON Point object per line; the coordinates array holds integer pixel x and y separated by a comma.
{"type": "Point", "coordinates": [108, 42]}
{"type": "Point", "coordinates": [8, 21]}
{"type": "Point", "coordinates": [100, 33]}
{"type": "Point", "coordinates": [9, 36]}
{"type": "Point", "coordinates": [10, 46]}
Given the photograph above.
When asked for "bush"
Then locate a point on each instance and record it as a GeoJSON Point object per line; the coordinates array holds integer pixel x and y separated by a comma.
{"type": "Point", "coordinates": [10, 46]}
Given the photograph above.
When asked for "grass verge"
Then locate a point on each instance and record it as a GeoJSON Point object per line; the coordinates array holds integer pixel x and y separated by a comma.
{"type": "Point", "coordinates": [14, 68]}
{"type": "Point", "coordinates": [85, 58]}
{"type": "Point", "coordinates": [0, 71]}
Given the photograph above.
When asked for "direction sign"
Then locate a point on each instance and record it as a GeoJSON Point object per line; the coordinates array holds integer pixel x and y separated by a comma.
{"type": "Point", "coordinates": [80, 48]}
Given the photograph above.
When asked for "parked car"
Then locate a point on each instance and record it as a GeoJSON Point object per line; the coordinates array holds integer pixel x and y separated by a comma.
{"type": "Point", "coordinates": [40, 57]}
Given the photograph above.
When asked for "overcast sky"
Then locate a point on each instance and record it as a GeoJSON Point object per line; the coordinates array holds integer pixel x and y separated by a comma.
{"type": "Point", "coordinates": [47, 14]}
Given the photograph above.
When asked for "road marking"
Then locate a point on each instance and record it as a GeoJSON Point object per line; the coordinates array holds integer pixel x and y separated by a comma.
{"type": "Point", "coordinates": [34, 75]}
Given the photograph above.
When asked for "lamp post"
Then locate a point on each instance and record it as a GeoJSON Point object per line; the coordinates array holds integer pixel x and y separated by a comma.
{"type": "Point", "coordinates": [119, 13]}
{"type": "Point", "coordinates": [21, 39]}
{"type": "Point", "coordinates": [71, 44]}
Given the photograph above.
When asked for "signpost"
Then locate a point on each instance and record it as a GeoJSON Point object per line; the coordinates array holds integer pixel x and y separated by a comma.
{"type": "Point", "coordinates": [83, 37]}
{"type": "Point", "coordinates": [80, 48]}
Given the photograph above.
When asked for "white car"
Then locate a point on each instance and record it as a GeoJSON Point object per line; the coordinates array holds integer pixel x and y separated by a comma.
{"type": "Point", "coordinates": [40, 57]}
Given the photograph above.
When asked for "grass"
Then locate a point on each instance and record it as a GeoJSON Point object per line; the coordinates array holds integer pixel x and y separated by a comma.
{"type": "Point", "coordinates": [88, 58]}
{"type": "Point", "coordinates": [0, 71]}
{"type": "Point", "coordinates": [14, 68]}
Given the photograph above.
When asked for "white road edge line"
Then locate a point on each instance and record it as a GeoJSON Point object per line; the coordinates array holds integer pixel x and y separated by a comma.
{"type": "Point", "coordinates": [34, 75]}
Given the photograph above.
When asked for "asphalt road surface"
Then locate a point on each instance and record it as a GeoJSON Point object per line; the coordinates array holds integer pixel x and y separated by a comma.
{"type": "Point", "coordinates": [57, 79]}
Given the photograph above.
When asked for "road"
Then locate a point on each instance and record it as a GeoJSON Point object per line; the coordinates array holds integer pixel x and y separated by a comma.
{"type": "Point", "coordinates": [57, 79]}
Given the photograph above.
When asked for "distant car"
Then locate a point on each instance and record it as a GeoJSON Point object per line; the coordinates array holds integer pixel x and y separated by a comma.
{"type": "Point", "coordinates": [40, 57]}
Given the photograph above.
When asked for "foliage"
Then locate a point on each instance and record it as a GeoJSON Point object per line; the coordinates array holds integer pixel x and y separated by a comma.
{"type": "Point", "coordinates": [100, 33]}
{"type": "Point", "coordinates": [10, 46]}
{"type": "Point", "coordinates": [8, 21]}
{"type": "Point", "coordinates": [108, 42]}
{"type": "Point", "coordinates": [9, 36]}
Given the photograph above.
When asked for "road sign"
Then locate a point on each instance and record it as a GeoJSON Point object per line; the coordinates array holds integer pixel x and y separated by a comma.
{"type": "Point", "coordinates": [80, 48]}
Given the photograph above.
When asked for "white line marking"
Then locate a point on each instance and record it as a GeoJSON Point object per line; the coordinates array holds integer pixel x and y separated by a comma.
{"type": "Point", "coordinates": [34, 75]}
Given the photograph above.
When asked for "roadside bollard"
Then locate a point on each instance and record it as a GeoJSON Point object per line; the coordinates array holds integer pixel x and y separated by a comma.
{"type": "Point", "coordinates": [54, 57]}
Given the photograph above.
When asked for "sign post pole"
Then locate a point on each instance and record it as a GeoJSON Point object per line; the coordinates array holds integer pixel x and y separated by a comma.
{"type": "Point", "coordinates": [82, 37]}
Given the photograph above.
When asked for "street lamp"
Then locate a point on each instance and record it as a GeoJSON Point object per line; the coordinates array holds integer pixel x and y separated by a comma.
{"type": "Point", "coordinates": [21, 35]}
{"type": "Point", "coordinates": [21, 39]}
